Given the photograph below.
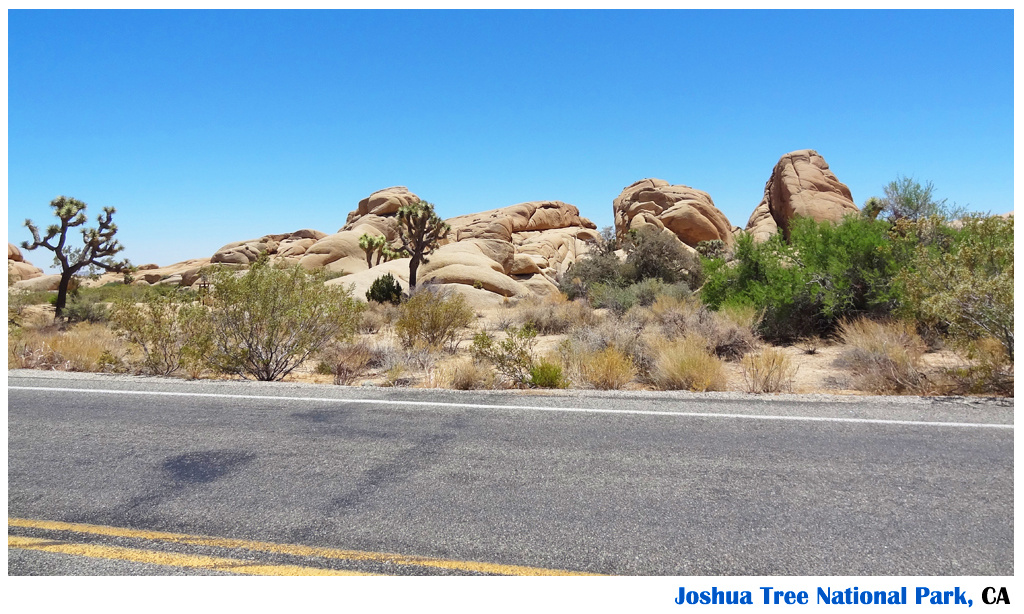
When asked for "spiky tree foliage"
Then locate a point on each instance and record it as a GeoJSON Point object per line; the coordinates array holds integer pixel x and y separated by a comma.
{"type": "Point", "coordinates": [376, 246]}
{"type": "Point", "coordinates": [98, 244]}
{"type": "Point", "coordinates": [420, 230]}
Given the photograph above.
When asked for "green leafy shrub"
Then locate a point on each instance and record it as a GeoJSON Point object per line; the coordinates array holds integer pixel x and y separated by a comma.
{"type": "Point", "coordinates": [547, 374]}
{"type": "Point", "coordinates": [512, 356]}
{"type": "Point", "coordinates": [385, 289]}
{"type": "Point", "coordinates": [964, 285]}
{"type": "Point", "coordinates": [268, 321]}
{"type": "Point", "coordinates": [85, 309]}
{"type": "Point", "coordinates": [433, 318]}
{"type": "Point", "coordinates": [826, 272]}
{"type": "Point", "coordinates": [658, 254]}
{"type": "Point", "coordinates": [170, 332]}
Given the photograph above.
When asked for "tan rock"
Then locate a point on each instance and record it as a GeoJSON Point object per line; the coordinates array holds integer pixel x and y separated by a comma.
{"type": "Point", "coordinates": [800, 184]}
{"type": "Point", "coordinates": [384, 202]}
{"type": "Point", "coordinates": [36, 284]}
{"type": "Point", "coordinates": [290, 245]}
{"type": "Point", "coordinates": [688, 213]}
{"type": "Point", "coordinates": [19, 269]}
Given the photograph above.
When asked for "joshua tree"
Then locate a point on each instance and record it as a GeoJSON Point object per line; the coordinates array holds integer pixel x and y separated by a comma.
{"type": "Point", "coordinates": [420, 230]}
{"type": "Point", "coordinates": [376, 245]}
{"type": "Point", "coordinates": [98, 249]}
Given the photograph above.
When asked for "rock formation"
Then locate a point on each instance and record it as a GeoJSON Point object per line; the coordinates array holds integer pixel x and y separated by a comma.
{"type": "Point", "coordinates": [689, 214]}
{"type": "Point", "coordinates": [512, 251]}
{"type": "Point", "coordinates": [288, 246]}
{"type": "Point", "coordinates": [800, 184]}
{"type": "Point", "coordinates": [18, 269]}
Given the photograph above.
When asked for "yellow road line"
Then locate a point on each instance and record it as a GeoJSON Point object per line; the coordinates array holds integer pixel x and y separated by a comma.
{"type": "Point", "coordinates": [172, 559]}
{"type": "Point", "coordinates": [292, 549]}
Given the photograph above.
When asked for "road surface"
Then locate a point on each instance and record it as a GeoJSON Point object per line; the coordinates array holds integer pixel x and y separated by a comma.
{"type": "Point", "coordinates": [120, 475]}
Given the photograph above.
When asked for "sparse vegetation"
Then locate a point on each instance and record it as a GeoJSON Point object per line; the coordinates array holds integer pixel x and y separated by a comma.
{"type": "Point", "coordinates": [884, 356]}
{"type": "Point", "coordinates": [512, 356]}
{"type": "Point", "coordinates": [433, 318]}
{"type": "Point", "coordinates": [686, 364]}
{"type": "Point", "coordinates": [769, 370]}
{"type": "Point", "coordinates": [608, 369]}
{"type": "Point", "coordinates": [267, 321]}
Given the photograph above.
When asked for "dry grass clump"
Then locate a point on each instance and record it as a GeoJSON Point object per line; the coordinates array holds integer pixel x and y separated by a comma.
{"type": "Point", "coordinates": [769, 370]}
{"type": "Point", "coordinates": [884, 356]}
{"type": "Point", "coordinates": [81, 347]}
{"type": "Point", "coordinates": [377, 317]}
{"type": "Point", "coordinates": [347, 362]}
{"type": "Point", "coordinates": [729, 331]}
{"type": "Point", "coordinates": [554, 314]}
{"type": "Point", "coordinates": [624, 336]}
{"type": "Point", "coordinates": [608, 369]}
{"type": "Point", "coordinates": [987, 370]}
{"type": "Point", "coordinates": [463, 374]}
{"type": "Point", "coordinates": [686, 364]}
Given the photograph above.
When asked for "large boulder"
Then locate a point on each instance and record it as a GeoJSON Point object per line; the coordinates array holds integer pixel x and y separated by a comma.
{"type": "Point", "coordinates": [18, 269]}
{"type": "Point", "coordinates": [289, 247]}
{"type": "Point", "coordinates": [688, 213]}
{"type": "Point", "coordinates": [801, 184]}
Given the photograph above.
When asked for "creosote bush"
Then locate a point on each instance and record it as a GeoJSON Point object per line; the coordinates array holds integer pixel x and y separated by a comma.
{"type": "Point", "coordinates": [433, 318]}
{"type": "Point", "coordinates": [268, 321]}
{"type": "Point", "coordinates": [512, 356]}
{"type": "Point", "coordinates": [171, 332]}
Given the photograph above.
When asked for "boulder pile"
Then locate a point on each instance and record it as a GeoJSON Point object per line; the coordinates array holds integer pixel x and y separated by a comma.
{"type": "Point", "coordinates": [800, 184]}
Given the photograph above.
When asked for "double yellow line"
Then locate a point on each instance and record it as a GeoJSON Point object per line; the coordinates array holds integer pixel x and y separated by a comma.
{"type": "Point", "coordinates": [239, 566]}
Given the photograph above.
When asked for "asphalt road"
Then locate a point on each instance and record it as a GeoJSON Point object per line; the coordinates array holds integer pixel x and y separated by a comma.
{"type": "Point", "coordinates": [401, 481]}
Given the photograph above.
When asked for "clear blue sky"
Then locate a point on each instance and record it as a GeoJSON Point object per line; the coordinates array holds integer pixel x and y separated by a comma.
{"type": "Point", "coordinates": [209, 127]}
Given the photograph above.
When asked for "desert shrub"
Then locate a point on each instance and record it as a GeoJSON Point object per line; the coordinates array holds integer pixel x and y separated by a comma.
{"type": "Point", "coordinates": [809, 345]}
{"type": "Point", "coordinates": [377, 317]}
{"type": "Point", "coordinates": [965, 287]}
{"type": "Point", "coordinates": [85, 309]}
{"type": "Point", "coordinates": [553, 314]}
{"type": "Point", "coordinates": [80, 347]}
{"type": "Point", "coordinates": [512, 356]}
{"type": "Point", "coordinates": [715, 248]}
{"type": "Point", "coordinates": [769, 370]}
{"type": "Point", "coordinates": [346, 361]}
{"type": "Point", "coordinates": [547, 374]}
{"type": "Point", "coordinates": [268, 321]}
{"type": "Point", "coordinates": [169, 332]}
{"type": "Point", "coordinates": [883, 356]}
{"type": "Point", "coordinates": [598, 267]}
{"type": "Point", "coordinates": [658, 254]}
{"type": "Point", "coordinates": [686, 364]}
{"type": "Point", "coordinates": [385, 289]}
{"type": "Point", "coordinates": [988, 370]}
{"type": "Point", "coordinates": [465, 374]}
{"type": "Point", "coordinates": [826, 272]}
{"type": "Point", "coordinates": [608, 369]}
{"type": "Point", "coordinates": [433, 318]}
{"type": "Point", "coordinates": [729, 332]}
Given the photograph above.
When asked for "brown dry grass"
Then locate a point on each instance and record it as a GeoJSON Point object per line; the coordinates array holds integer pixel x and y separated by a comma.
{"type": "Point", "coordinates": [686, 364]}
{"type": "Point", "coordinates": [82, 347]}
{"type": "Point", "coordinates": [769, 370]}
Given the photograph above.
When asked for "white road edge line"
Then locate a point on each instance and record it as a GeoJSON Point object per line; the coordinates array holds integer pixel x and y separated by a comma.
{"type": "Point", "coordinates": [523, 407]}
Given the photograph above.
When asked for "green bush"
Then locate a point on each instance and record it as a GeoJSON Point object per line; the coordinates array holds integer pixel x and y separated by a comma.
{"type": "Point", "coordinates": [826, 272]}
{"type": "Point", "coordinates": [965, 286]}
{"type": "Point", "coordinates": [432, 318]}
{"type": "Point", "coordinates": [385, 289]}
{"type": "Point", "coordinates": [512, 356]}
{"type": "Point", "coordinates": [268, 321]}
{"type": "Point", "coordinates": [170, 332]}
{"type": "Point", "coordinates": [545, 374]}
